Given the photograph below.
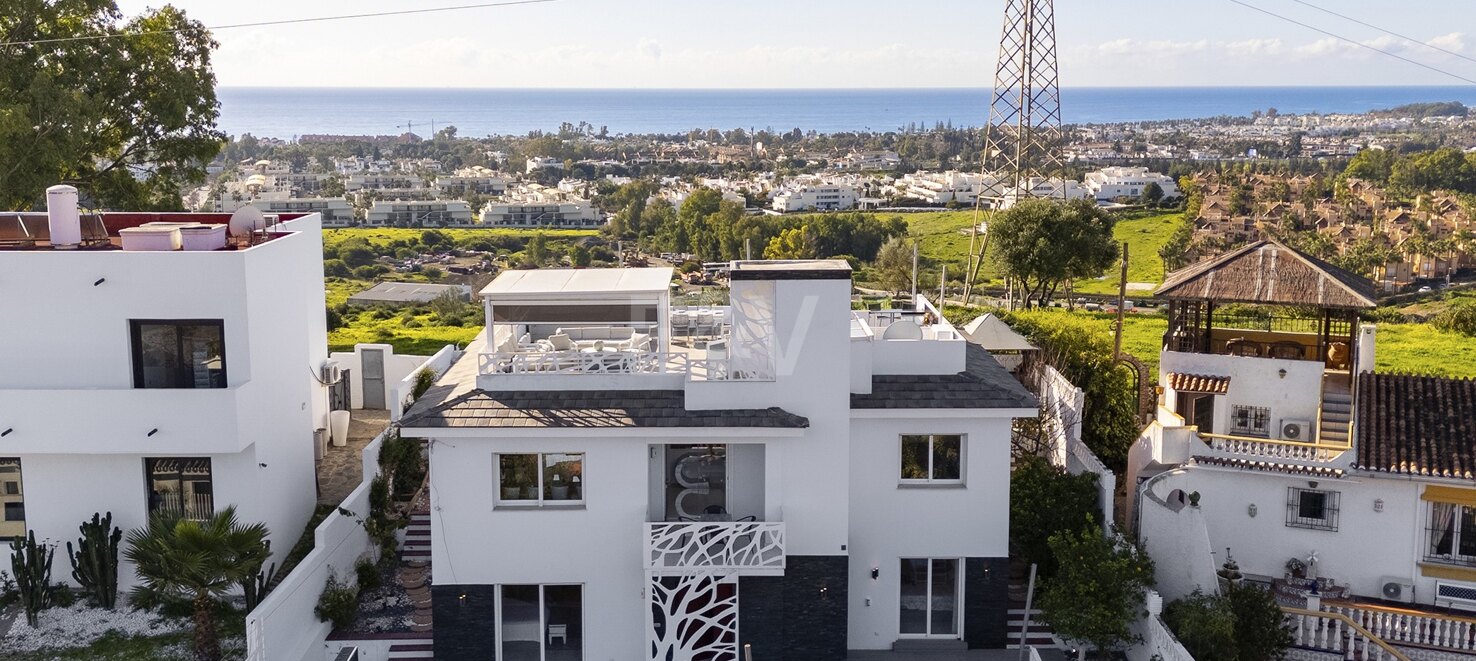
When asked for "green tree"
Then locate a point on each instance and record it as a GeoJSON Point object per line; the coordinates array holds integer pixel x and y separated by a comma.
{"type": "Point", "coordinates": [1152, 194]}
{"type": "Point", "coordinates": [1097, 593]}
{"type": "Point", "coordinates": [1458, 317]}
{"type": "Point", "coordinates": [1043, 243]}
{"type": "Point", "coordinates": [1443, 169]}
{"type": "Point", "coordinates": [1046, 500]}
{"type": "Point", "coordinates": [580, 256]}
{"type": "Point", "coordinates": [1261, 630]}
{"type": "Point", "coordinates": [1174, 252]}
{"type": "Point", "coordinates": [538, 249]}
{"type": "Point", "coordinates": [894, 265]}
{"type": "Point", "coordinates": [196, 561]}
{"type": "Point", "coordinates": [129, 121]}
{"type": "Point", "coordinates": [795, 243]}
{"type": "Point", "coordinates": [1204, 625]}
{"type": "Point", "coordinates": [1243, 624]}
{"type": "Point", "coordinates": [1372, 165]}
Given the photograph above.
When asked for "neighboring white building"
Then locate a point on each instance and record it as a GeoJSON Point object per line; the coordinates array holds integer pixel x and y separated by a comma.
{"type": "Point", "coordinates": [543, 163]}
{"type": "Point", "coordinates": [146, 378]}
{"type": "Point", "coordinates": [868, 160]}
{"type": "Point", "coordinates": [335, 211]}
{"type": "Point", "coordinates": [479, 180]}
{"type": "Point", "coordinates": [382, 181]}
{"type": "Point", "coordinates": [1275, 440]}
{"type": "Point", "coordinates": [614, 477]}
{"type": "Point", "coordinates": [1108, 184]}
{"type": "Point", "coordinates": [821, 197]}
{"type": "Point", "coordinates": [419, 213]}
{"type": "Point", "coordinates": [951, 186]}
{"type": "Point", "coordinates": [1051, 188]}
{"type": "Point", "coordinates": [534, 205]}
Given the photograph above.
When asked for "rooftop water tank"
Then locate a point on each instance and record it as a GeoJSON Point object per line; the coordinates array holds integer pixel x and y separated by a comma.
{"type": "Point", "coordinates": [62, 218]}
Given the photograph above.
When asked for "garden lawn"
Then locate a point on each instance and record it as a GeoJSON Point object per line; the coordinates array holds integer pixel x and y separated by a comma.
{"type": "Point", "coordinates": [1402, 348]}
{"type": "Point", "coordinates": [422, 340]}
{"type": "Point", "coordinates": [1144, 233]}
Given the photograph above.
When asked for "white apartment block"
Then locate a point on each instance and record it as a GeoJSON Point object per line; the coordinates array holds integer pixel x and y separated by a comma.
{"type": "Point", "coordinates": [820, 197]}
{"type": "Point", "coordinates": [335, 211]}
{"type": "Point", "coordinates": [1051, 188]}
{"type": "Point", "coordinates": [151, 365]}
{"type": "Point", "coordinates": [382, 181]}
{"type": "Point", "coordinates": [613, 477]}
{"type": "Point", "coordinates": [479, 180]}
{"type": "Point", "coordinates": [1108, 184]}
{"type": "Point", "coordinates": [951, 186]}
{"type": "Point", "coordinates": [1277, 443]}
{"type": "Point", "coordinates": [868, 160]}
{"type": "Point", "coordinates": [419, 213]}
{"type": "Point", "coordinates": [303, 183]}
{"type": "Point", "coordinates": [553, 214]}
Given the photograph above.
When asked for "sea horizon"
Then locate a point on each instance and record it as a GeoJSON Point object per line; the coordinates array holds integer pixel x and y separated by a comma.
{"type": "Point", "coordinates": [288, 112]}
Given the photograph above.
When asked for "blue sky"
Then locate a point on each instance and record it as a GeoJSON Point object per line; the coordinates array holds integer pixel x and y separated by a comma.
{"type": "Point", "coordinates": [821, 43]}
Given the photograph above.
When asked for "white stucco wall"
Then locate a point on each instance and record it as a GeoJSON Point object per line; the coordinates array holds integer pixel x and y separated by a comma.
{"type": "Point", "coordinates": [1253, 382]}
{"type": "Point", "coordinates": [81, 430]}
{"type": "Point", "coordinates": [890, 521]}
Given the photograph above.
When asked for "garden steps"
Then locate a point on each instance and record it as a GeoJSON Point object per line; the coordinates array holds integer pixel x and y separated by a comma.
{"type": "Point", "coordinates": [408, 651]}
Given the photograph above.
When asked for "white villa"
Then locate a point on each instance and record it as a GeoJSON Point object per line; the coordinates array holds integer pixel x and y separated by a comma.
{"type": "Point", "coordinates": [533, 205]}
{"type": "Point", "coordinates": [335, 211]}
{"type": "Point", "coordinates": [820, 197]}
{"type": "Point", "coordinates": [1108, 184]}
{"type": "Point", "coordinates": [613, 477]}
{"type": "Point", "coordinates": [152, 364]}
{"type": "Point", "coordinates": [1347, 491]}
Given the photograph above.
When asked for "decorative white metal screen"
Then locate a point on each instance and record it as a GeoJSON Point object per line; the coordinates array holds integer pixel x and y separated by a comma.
{"type": "Point", "coordinates": [693, 618]}
{"type": "Point", "coordinates": [752, 303]}
{"type": "Point", "coordinates": [741, 547]}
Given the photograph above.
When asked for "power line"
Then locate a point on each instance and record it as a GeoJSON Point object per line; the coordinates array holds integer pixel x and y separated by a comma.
{"type": "Point", "coordinates": [1355, 42]}
{"type": "Point", "coordinates": [1385, 30]}
{"type": "Point", "coordinates": [288, 21]}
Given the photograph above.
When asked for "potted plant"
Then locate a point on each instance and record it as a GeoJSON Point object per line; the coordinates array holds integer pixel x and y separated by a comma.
{"type": "Point", "coordinates": [1296, 568]}
{"type": "Point", "coordinates": [558, 489]}
{"type": "Point", "coordinates": [511, 493]}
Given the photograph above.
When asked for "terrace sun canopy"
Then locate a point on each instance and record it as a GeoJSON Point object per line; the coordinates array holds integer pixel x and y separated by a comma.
{"type": "Point", "coordinates": [578, 296]}
{"type": "Point", "coordinates": [1269, 273]}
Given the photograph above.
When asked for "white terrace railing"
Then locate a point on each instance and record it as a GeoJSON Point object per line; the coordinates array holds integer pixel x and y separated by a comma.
{"type": "Point", "coordinates": [1273, 448]}
{"type": "Point", "coordinates": [572, 362]}
{"type": "Point", "coordinates": [1401, 627]}
{"type": "Point", "coordinates": [1339, 634]}
{"type": "Point", "coordinates": [752, 547]}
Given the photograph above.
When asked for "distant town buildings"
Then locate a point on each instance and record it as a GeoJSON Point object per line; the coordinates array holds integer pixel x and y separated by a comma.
{"type": "Point", "coordinates": [1109, 184]}
{"type": "Point", "coordinates": [419, 213]}
{"type": "Point", "coordinates": [817, 197]}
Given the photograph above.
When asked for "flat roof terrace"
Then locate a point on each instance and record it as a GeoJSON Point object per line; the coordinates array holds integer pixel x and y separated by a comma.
{"type": "Point", "coordinates": [104, 231]}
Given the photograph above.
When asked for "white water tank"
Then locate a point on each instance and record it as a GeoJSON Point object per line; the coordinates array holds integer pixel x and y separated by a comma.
{"type": "Point", "coordinates": [62, 218]}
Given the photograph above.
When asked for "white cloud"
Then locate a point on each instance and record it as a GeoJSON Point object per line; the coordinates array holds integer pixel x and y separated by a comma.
{"type": "Point", "coordinates": [650, 48]}
{"type": "Point", "coordinates": [1152, 47]}
{"type": "Point", "coordinates": [1252, 47]}
{"type": "Point", "coordinates": [1455, 42]}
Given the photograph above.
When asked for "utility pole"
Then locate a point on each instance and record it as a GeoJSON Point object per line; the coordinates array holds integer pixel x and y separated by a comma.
{"type": "Point", "coordinates": [914, 273]}
{"type": "Point", "coordinates": [1122, 289]}
{"type": "Point", "coordinates": [942, 288]}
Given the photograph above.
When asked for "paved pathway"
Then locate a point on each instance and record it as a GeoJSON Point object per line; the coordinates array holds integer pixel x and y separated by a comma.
{"type": "Point", "coordinates": [341, 470]}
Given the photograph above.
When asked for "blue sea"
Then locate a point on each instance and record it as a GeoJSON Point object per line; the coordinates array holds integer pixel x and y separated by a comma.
{"type": "Point", "coordinates": [289, 112]}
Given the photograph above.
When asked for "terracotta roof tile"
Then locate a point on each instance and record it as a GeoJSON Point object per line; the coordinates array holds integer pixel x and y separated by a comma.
{"type": "Point", "coordinates": [1417, 425]}
{"type": "Point", "coordinates": [1199, 383]}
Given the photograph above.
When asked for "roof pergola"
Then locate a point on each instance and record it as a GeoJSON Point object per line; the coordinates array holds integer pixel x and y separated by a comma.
{"type": "Point", "coordinates": [1266, 273]}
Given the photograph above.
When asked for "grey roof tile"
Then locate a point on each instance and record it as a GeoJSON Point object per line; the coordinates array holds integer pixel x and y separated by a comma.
{"type": "Point", "coordinates": [582, 409]}
{"type": "Point", "coordinates": [983, 384]}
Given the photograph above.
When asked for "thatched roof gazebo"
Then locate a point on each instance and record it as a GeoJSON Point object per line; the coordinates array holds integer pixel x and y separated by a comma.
{"type": "Point", "coordinates": [1266, 273]}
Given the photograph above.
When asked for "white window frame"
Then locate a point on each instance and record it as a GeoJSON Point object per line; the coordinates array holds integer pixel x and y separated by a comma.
{"type": "Point", "coordinates": [543, 614]}
{"type": "Point", "coordinates": [963, 457]}
{"type": "Point", "coordinates": [1457, 531]}
{"type": "Point", "coordinates": [958, 601]}
{"type": "Point", "coordinates": [538, 474]}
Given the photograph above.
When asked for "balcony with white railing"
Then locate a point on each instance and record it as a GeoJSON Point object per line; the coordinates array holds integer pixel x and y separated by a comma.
{"type": "Point", "coordinates": [1402, 627]}
{"type": "Point", "coordinates": [1337, 633]}
{"type": "Point", "coordinates": [750, 548]}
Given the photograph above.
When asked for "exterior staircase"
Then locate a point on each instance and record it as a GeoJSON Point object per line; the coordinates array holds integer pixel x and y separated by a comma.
{"type": "Point", "coordinates": [1337, 411]}
{"type": "Point", "coordinates": [415, 571]}
{"type": "Point", "coordinates": [411, 650]}
{"type": "Point", "coordinates": [1038, 636]}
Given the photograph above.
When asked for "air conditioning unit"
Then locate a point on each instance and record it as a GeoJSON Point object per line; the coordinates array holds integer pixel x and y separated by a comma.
{"type": "Point", "coordinates": [331, 372]}
{"type": "Point", "coordinates": [1296, 430]}
{"type": "Point", "coordinates": [1455, 595]}
{"type": "Point", "coordinates": [347, 654]}
{"type": "Point", "coordinates": [1397, 589]}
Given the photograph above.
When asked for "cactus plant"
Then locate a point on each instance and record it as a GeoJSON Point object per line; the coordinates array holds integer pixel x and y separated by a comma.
{"type": "Point", "coordinates": [31, 564]}
{"type": "Point", "coordinates": [95, 561]}
{"type": "Point", "coordinates": [256, 586]}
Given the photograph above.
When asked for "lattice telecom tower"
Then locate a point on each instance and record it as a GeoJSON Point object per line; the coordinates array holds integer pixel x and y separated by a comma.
{"type": "Point", "coordinates": [1023, 138]}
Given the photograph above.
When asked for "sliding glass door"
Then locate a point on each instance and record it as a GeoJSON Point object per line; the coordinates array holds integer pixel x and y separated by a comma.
{"type": "Point", "coordinates": [541, 623]}
{"type": "Point", "coordinates": [929, 597]}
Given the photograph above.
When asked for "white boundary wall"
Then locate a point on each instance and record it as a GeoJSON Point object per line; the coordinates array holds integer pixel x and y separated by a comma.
{"type": "Point", "coordinates": [1063, 407]}
{"type": "Point", "coordinates": [402, 392]}
{"type": "Point", "coordinates": [1158, 642]}
{"type": "Point", "coordinates": [283, 627]}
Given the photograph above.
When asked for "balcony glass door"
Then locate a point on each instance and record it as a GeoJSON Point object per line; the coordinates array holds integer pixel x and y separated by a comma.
{"type": "Point", "coordinates": [929, 597]}
{"type": "Point", "coordinates": [697, 483]}
{"type": "Point", "coordinates": [541, 623]}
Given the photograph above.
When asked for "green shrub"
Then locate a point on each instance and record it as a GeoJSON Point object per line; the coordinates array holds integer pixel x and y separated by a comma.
{"type": "Point", "coordinates": [1244, 624]}
{"type": "Point", "coordinates": [1459, 317]}
{"type": "Point", "coordinates": [338, 603]}
{"type": "Point", "coordinates": [424, 379]}
{"type": "Point", "coordinates": [1098, 591]}
{"type": "Point", "coordinates": [335, 268]}
{"type": "Point", "coordinates": [1044, 501]}
{"type": "Point", "coordinates": [368, 574]}
{"type": "Point", "coordinates": [1385, 315]}
{"type": "Point", "coordinates": [1203, 625]}
{"type": "Point", "coordinates": [335, 320]}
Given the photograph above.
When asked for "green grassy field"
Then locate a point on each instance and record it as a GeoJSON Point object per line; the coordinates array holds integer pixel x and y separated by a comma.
{"type": "Point", "coordinates": [942, 236]}
{"type": "Point", "coordinates": [1403, 348]}
{"type": "Point", "coordinates": [384, 235]}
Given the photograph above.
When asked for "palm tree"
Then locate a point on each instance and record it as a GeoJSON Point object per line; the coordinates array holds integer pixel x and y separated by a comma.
{"type": "Point", "coordinates": [197, 561]}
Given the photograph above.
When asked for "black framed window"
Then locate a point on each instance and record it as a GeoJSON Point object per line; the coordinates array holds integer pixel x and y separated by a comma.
{"type": "Point", "coordinates": [934, 458]}
{"type": "Point", "coordinates": [180, 487]}
{"type": "Point", "coordinates": [1311, 508]}
{"type": "Point", "coordinates": [178, 353]}
{"type": "Point", "coordinates": [1452, 534]}
{"type": "Point", "coordinates": [1250, 420]}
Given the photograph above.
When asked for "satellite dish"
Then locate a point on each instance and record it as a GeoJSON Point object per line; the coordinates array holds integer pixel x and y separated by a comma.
{"type": "Point", "coordinates": [246, 220]}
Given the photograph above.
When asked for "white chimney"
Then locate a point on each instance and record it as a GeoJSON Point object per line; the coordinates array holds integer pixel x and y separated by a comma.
{"type": "Point", "coordinates": [1366, 348]}
{"type": "Point", "coordinates": [62, 218]}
